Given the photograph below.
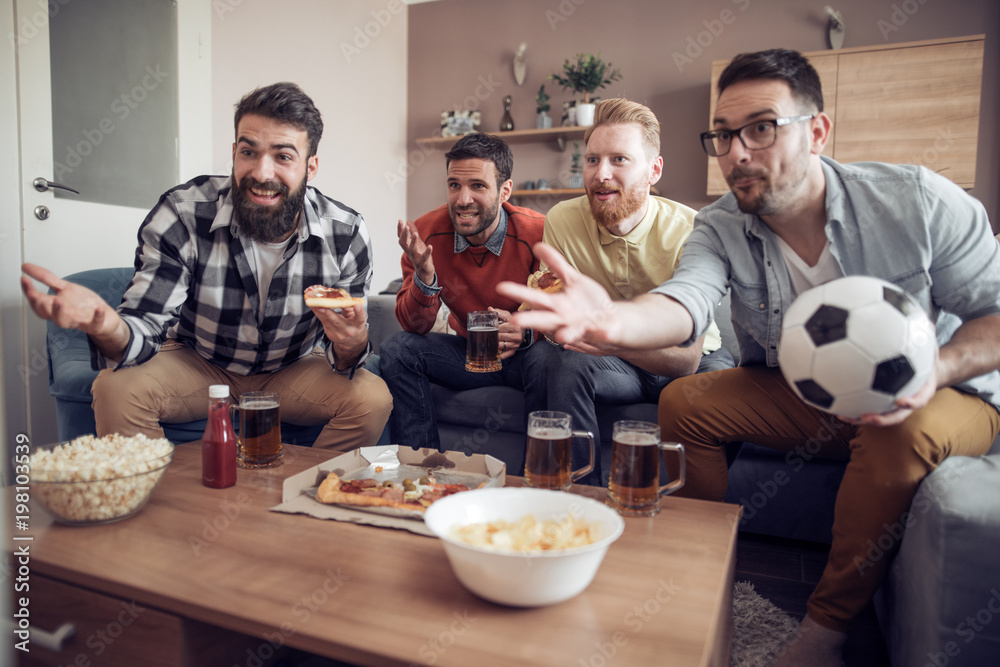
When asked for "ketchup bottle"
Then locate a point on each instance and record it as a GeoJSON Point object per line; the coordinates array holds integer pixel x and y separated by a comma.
{"type": "Point", "coordinates": [218, 445]}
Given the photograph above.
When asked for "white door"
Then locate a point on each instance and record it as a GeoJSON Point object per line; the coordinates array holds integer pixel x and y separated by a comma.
{"type": "Point", "coordinates": [64, 232]}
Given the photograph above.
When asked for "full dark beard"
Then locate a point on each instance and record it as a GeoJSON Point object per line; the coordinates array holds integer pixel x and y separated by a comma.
{"type": "Point", "coordinates": [267, 224]}
{"type": "Point", "coordinates": [610, 213]}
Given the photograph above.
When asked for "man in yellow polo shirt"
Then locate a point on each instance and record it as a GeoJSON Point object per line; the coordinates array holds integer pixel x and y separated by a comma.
{"type": "Point", "coordinates": [630, 242]}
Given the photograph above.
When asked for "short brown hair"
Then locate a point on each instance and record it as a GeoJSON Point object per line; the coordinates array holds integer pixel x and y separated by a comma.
{"type": "Point", "coordinates": [620, 111]}
{"type": "Point", "coordinates": [285, 103]}
{"type": "Point", "coordinates": [782, 64]}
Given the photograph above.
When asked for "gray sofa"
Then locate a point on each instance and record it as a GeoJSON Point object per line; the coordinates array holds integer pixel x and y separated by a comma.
{"type": "Point", "coordinates": [939, 606]}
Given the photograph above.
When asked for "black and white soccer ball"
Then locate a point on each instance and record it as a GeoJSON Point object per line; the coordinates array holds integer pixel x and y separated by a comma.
{"type": "Point", "coordinates": [854, 345]}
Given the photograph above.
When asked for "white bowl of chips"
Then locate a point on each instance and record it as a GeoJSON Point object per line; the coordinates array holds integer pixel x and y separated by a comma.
{"type": "Point", "coordinates": [524, 547]}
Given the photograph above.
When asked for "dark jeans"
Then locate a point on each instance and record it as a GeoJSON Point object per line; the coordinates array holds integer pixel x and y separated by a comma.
{"type": "Point", "coordinates": [573, 382]}
{"type": "Point", "coordinates": [409, 363]}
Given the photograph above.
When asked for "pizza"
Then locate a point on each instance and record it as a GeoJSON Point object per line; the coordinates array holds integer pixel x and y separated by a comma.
{"type": "Point", "coordinates": [409, 495]}
{"type": "Point", "coordinates": [319, 296]}
{"type": "Point", "coordinates": [545, 280]}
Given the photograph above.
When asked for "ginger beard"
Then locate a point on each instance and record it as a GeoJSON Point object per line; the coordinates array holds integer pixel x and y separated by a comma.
{"type": "Point", "coordinates": [268, 224]}
{"type": "Point", "coordinates": [613, 211]}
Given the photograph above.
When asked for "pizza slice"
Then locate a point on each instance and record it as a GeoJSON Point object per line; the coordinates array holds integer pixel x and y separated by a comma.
{"type": "Point", "coordinates": [318, 296]}
{"type": "Point", "coordinates": [409, 495]}
{"type": "Point", "coordinates": [544, 280]}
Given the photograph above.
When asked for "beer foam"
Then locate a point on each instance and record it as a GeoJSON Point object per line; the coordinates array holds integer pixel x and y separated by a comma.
{"type": "Point", "coordinates": [548, 433]}
{"type": "Point", "coordinates": [636, 438]}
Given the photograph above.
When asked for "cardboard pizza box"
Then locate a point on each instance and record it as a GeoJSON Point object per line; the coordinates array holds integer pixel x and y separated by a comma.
{"type": "Point", "coordinates": [387, 462]}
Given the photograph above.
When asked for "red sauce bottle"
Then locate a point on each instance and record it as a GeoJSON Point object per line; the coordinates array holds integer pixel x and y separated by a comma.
{"type": "Point", "coordinates": [218, 445]}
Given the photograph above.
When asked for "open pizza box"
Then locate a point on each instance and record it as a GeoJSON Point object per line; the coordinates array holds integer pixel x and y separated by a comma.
{"type": "Point", "coordinates": [387, 462]}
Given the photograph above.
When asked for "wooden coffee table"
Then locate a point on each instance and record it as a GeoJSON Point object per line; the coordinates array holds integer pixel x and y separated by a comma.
{"type": "Point", "coordinates": [213, 577]}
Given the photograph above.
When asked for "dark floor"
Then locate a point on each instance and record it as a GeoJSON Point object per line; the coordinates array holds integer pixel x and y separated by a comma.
{"type": "Point", "coordinates": [785, 572]}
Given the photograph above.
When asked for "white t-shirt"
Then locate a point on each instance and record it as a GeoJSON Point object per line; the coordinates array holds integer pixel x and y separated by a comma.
{"type": "Point", "coordinates": [264, 261]}
{"type": "Point", "coordinates": [805, 277]}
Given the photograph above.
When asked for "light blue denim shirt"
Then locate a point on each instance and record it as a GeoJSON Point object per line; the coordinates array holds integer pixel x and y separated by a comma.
{"type": "Point", "coordinates": [902, 223]}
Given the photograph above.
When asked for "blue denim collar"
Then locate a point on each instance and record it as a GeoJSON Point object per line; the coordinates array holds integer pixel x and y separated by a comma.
{"type": "Point", "coordinates": [495, 242]}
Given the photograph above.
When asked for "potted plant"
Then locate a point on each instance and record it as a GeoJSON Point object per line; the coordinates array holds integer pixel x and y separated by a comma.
{"type": "Point", "coordinates": [588, 74]}
{"type": "Point", "coordinates": [543, 122]}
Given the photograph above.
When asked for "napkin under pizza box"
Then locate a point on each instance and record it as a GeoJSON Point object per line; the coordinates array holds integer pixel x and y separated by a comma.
{"type": "Point", "coordinates": [393, 462]}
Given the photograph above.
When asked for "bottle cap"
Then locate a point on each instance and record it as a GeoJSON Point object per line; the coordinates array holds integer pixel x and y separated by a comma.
{"type": "Point", "coordinates": [218, 391]}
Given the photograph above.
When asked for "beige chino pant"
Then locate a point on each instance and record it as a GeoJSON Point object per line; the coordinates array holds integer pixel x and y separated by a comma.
{"type": "Point", "coordinates": [173, 387]}
{"type": "Point", "coordinates": [885, 464]}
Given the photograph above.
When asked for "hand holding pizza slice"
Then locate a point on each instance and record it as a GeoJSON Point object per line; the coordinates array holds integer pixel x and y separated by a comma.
{"type": "Point", "coordinates": [544, 280]}
{"type": "Point", "coordinates": [318, 296]}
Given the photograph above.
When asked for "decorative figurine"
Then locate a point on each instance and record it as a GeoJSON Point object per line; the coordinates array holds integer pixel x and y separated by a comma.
{"type": "Point", "coordinates": [506, 123]}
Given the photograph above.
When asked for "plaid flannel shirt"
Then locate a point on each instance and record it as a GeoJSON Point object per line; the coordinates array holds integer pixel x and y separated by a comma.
{"type": "Point", "coordinates": [193, 282]}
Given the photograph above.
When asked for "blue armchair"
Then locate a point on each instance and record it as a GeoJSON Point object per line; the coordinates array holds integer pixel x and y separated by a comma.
{"type": "Point", "coordinates": [70, 373]}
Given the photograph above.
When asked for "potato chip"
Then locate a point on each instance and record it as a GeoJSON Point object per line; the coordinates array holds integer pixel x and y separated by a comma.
{"type": "Point", "coordinates": [528, 534]}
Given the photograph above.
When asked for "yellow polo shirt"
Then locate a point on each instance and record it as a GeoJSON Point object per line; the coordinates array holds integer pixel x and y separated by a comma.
{"type": "Point", "coordinates": [628, 265]}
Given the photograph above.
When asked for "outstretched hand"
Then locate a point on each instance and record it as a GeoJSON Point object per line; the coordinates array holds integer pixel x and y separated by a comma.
{"type": "Point", "coordinates": [70, 306]}
{"type": "Point", "coordinates": [581, 314]}
{"type": "Point", "coordinates": [73, 306]}
{"type": "Point", "coordinates": [418, 252]}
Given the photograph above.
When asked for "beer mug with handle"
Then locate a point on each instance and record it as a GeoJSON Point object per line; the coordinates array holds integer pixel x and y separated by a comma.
{"type": "Point", "coordinates": [548, 460]}
{"type": "Point", "coordinates": [634, 485]}
{"type": "Point", "coordinates": [259, 443]}
{"type": "Point", "coordinates": [482, 353]}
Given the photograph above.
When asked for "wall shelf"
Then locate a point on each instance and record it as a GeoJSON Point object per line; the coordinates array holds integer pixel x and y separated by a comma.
{"type": "Point", "coordinates": [553, 192]}
{"type": "Point", "coordinates": [557, 134]}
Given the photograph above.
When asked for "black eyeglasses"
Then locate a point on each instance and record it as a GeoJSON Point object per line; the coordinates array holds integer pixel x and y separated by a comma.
{"type": "Point", "coordinates": [756, 136]}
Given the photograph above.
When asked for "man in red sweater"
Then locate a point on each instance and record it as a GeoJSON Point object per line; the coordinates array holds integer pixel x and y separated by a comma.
{"type": "Point", "coordinates": [456, 255]}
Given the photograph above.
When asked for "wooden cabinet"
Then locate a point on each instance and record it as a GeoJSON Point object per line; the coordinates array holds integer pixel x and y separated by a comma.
{"type": "Point", "coordinates": [113, 631]}
{"type": "Point", "coordinates": [557, 135]}
{"type": "Point", "coordinates": [913, 103]}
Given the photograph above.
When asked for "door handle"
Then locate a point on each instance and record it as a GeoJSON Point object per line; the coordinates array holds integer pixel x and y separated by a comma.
{"type": "Point", "coordinates": [42, 185]}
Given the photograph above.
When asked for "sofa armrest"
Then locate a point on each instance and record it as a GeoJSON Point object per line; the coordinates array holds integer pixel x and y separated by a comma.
{"type": "Point", "coordinates": [943, 583]}
{"type": "Point", "coordinates": [381, 318]}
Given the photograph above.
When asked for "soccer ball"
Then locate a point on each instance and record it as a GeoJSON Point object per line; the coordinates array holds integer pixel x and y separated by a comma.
{"type": "Point", "coordinates": [854, 345]}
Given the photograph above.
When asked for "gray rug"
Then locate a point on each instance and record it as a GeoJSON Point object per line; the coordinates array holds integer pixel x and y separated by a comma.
{"type": "Point", "coordinates": [759, 628]}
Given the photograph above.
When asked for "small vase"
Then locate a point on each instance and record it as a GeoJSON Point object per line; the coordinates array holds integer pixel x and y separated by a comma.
{"type": "Point", "coordinates": [575, 180]}
{"type": "Point", "coordinates": [585, 114]}
{"type": "Point", "coordinates": [507, 122]}
{"type": "Point", "coordinates": [543, 121]}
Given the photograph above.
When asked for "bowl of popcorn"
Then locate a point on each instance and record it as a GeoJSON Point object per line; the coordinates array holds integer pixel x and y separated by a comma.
{"type": "Point", "coordinates": [93, 480]}
{"type": "Point", "coordinates": [524, 547]}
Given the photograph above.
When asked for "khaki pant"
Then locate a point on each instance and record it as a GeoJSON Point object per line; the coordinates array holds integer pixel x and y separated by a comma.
{"type": "Point", "coordinates": [885, 464]}
{"type": "Point", "coordinates": [173, 387]}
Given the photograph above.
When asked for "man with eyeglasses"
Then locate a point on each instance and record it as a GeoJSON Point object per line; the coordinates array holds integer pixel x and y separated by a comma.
{"type": "Point", "coordinates": [795, 219]}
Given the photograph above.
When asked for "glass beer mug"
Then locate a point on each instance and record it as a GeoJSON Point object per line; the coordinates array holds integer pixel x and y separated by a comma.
{"type": "Point", "coordinates": [259, 444]}
{"type": "Point", "coordinates": [482, 352]}
{"type": "Point", "coordinates": [634, 486]}
{"type": "Point", "coordinates": [548, 460]}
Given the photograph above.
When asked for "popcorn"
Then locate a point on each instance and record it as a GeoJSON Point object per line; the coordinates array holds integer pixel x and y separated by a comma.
{"type": "Point", "coordinates": [98, 479]}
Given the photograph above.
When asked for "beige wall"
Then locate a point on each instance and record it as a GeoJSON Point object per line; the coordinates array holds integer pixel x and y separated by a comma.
{"type": "Point", "coordinates": [350, 57]}
{"type": "Point", "coordinates": [665, 51]}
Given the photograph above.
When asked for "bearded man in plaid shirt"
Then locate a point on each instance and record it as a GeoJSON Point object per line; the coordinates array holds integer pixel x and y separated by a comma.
{"type": "Point", "coordinates": [217, 295]}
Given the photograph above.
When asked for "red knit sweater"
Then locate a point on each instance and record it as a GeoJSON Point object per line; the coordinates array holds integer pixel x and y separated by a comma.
{"type": "Point", "coordinates": [468, 279]}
